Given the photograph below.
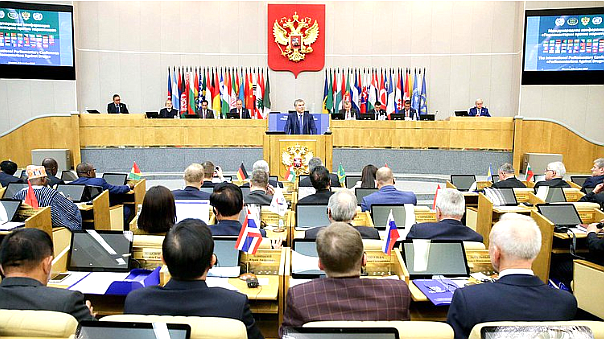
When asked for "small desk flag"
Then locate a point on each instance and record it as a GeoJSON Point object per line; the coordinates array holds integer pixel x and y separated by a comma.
{"type": "Point", "coordinates": [249, 237]}
{"type": "Point", "coordinates": [392, 234]}
{"type": "Point", "coordinates": [135, 172]}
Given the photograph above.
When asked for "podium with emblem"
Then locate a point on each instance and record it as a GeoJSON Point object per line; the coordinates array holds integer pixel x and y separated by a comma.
{"type": "Point", "coordinates": [283, 151]}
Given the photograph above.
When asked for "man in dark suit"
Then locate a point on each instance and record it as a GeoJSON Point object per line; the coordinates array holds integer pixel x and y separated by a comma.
{"type": "Point", "coordinates": [507, 178]}
{"type": "Point", "coordinates": [116, 106]}
{"type": "Point", "coordinates": [343, 295]}
{"type": "Point", "coordinates": [243, 113]}
{"type": "Point", "coordinates": [387, 193]}
{"type": "Point", "coordinates": [319, 177]}
{"type": "Point", "coordinates": [188, 252]}
{"type": "Point", "coordinates": [312, 163]}
{"type": "Point", "coordinates": [553, 176]}
{"type": "Point", "coordinates": [478, 110]}
{"type": "Point", "coordinates": [193, 179]}
{"type": "Point", "coordinates": [7, 171]}
{"type": "Point", "coordinates": [300, 122]}
{"type": "Point", "coordinates": [205, 112]}
{"type": "Point", "coordinates": [597, 195]}
{"type": "Point", "coordinates": [378, 112]}
{"type": "Point", "coordinates": [518, 295]}
{"type": "Point", "coordinates": [52, 167]}
{"type": "Point", "coordinates": [168, 112]}
{"type": "Point", "coordinates": [227, 202]}
{"type": "Point", "coordinates": [409, 112]}
{"type": "Point", "coordinates": [342, 207]}
{"type": "Point", "coordinates": [348, 111]}
{"type": "Point", "coordinates": [25, 260]}
{"type": "Point", "coordinates": [597, 175]}
{"type": "Point", "coordinates": [259, 189]}
{"type": "Point", "coordinates": [450, 208]}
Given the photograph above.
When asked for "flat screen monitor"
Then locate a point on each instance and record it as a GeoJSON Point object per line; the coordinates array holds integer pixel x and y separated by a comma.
{"type": "Point", "coordinates": [232, 115]}
{"type": "Point", "coordinates": [366, 116]}
{"type": "Point", "coordinates": [397, 117]}
{"type": "Point", "coordinates": [308, 216]}
{"type": "Point", "coordinates": [305, 259]}
{"type": "Point", "coordinates": [579, 179]}
{"type": "Point", "coordinates": [72, 192]}
{"type": "Point", "coordinates": [463, 182]}
{"type": "Point", "coordinates": [103, 251]}
{"type": "Point", "coordinates": [554, 194]}
{"type": "Point", "coordinates": [226, 252]}
{"type": "Point", "coordinates": [461, 113]}
{"type": "Point", "coordinates": [379, 215]}
{"type": "Point", "coordinates": [8, 209]}
{"type": "Point", "coordinates": [536, 331]}
{"type": "Point", "coordinates": [118, 329]}
{"type": "Point", "coordinates": [425, 258]}
{"type": "Point", "coordinates": [564, 215]}
{"type": "Point", "coordinates": [363, 192]}
{"type": "Point", "coordinates": [501, 196]}
{"type": "Point", "coordinates": [36, 41]}
{"type": "Point", "coordinates": [207, 189]}
{"type": "Point", "coordinates": [341, 332]}
{"type": "Point", "coordinates": [351, 180]}
{"type": "Point", "coordinates": [337, 116]}
{"type": "Point", "coordinates": [92, 191]}
{"type": "Point", "coordinates": [68, 176]}
{"type": "Point", "coordinates": [195, 209]}
{"type": "Point", "coordinates": [427, 117]}
{"type": "Point", "coordinates": [303, 178]}
{"type": "Point", "coordinates": [13, 188]}
{"type": "Point", "coordinates": [152, 115]}
{"type": "Point", "coordinates": [115, 179]}
{"type": "Point", "coordinates": [563, 47]}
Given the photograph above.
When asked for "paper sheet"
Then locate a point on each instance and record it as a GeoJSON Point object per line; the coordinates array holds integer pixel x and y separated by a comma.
{"type": "Point", "coordinates": [98, 282]}
{"type": "Point", "coordinates": [301, 262]}
{"type": "Point", "coordinates": [220, 282]}
{"type": "Point", "coordinates": [10, 225]}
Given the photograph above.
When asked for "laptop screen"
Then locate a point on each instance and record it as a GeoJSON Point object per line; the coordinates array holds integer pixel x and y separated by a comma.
{"type": "Point", "coordinates": [379, 215]}
{"type": "Point", "coordinates": [301, 178]}
{"type": "Point", "coordinates": [104, 251]}
{"type": "Point", "coordinates": [363, 192]}
{"type": "Point", "coordinates": [305, 259]}
{"type": "Point", "coordinates": [501, 196]}
{"type": "Point", "coordinates": [425, 258]}
{"type": "Point", "coordinates": [555, 194]}
{"type": "Point", "coordinates": [68, 176]}
{"type": "Point", "coordinates": [340, 333]}
{"type": "Point", "coordinates": [195, 209]}
{"type": "Point", "coordinates": [579, 179]}
{"type": "Point", "coordinates": [463, 182]}
{"type": "Point", "coordinates": [12, 189]}
{"type": "Point", "coordinates": [227, 254]}
{"type": "Point", "coordinates": [74, 193]}
{"type": "Point", "coordinates": [115, 179]}
{"type": "Point", "coordinates": [351, 180]}
{"type": "Point", "coordinates": [536, 331]}
{"type": "Point", "coordinates": [8, 208]}
{"type": "Point", "coordinates": [311, 216]}
{"type": "Point", "coordinates": [560, 214]}
{"type": "Point", "coordinates": [118, 329]}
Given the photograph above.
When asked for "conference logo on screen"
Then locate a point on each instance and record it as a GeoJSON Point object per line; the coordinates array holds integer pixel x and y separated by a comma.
{"type": "Point", "coordinates": [597, 20]}
{"type": "Point", "coordinates": [38, 16]}
{"type": "Point", "coordinates": [572, 21]}
{"type": "Point", "coordinates": [13, 15]}
{"type": "Point", "coordinates": [560, 22]}
{"type": "Point", "coordinates": [585, 20]}
{"type": "Point", "coordinates": [25, 15]}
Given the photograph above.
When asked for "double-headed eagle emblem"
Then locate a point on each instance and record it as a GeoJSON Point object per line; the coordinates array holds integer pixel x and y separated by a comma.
{"type": "Point", "coordinates": [298, 157]}
{"type": "Point", "coordinates": [296, 35]}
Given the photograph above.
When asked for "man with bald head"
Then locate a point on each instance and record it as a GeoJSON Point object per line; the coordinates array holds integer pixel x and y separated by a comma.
{"type": "Point", "coordinates": [52, 167]}
{"type": "Point", "coordinates": [518, 295]}
{"type": "Point", "coordinates": [193, 181]}
{"type": "Point", "coordinates": [387, 193]}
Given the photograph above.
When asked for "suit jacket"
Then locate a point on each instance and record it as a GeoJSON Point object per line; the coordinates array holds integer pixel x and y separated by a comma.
{"type": "Point", "coordinates": [446, 229]}
{"type": "Point", "coordinates": [292, 125]}
{"type": "Point", "coordinates": [258, 197]}
{"type": "Point", "coordinates": [354, 111]}
{"type": "Point", "coordinates": [321, 197]}
{"type": "Point", "coordinates": [190, 193]}
{"type": "Point", "coordinates": [593, 197]}
{"type": "Point", "coordinates": [192, 298]}
{"type": "Point", "coordinates": [29, 294]}
{"type": "Point", "coordinates": [52, 181]}
{"type": "Point", "coordinates": [114, 191]}
{"type": "Point", "coordinates": [388, 195]}
{"type": "Point", "coordinates": [592, 182]}
{"type": "Point", "coordinates": [209, 114]}
{"type": "Point", "coordinates": [111, 108]}
{"type": "Point", "coordinates": [595, 245]}
{"type": "Point", "coordinates": [163, 113]}
{"type": "Point", "coordinates": [229, 227]}
{"type": "Point", "coordinates": [6, 179]}
{"type": "Point", "coordinates": [245, 113]}
{"type": "Point", "coordinates": [377, 113]}
{"type": "Point", "coordinates": [514, 297]}
{"type": "Point", "coordinates": [512, 182]}
{"type": "Point", "coordinates": [555, 182]}
{"type": "Point", "coordinates": [366, 232]}
{"type": "Point", "coordinates": [346, 299]}
{"type": "Point", "coordinates": [484, 112]}
{"type": "Point", "coordinates": [333, 178]}
{"type": "Point", "coordinates": [412, 113]}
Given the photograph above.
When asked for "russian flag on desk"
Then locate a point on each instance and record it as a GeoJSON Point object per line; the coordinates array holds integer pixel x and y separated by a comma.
{"type": "Point", "coordinates": [392, 234]}
{"type": "Point", "coordinates": [249, 237]}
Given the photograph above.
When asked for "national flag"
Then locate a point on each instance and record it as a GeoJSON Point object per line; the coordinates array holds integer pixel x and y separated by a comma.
{"type": "Point", "coordinates": [249, 237]}
{"type": "Point", "coordinates": [423, 103]}
{"type": "Point", "coordinates": [328, 105]}
{"type": "Point", "coordinates": [407, 95]}
{"type": "Point", "coordinates": [216, 103]}
{"type": "Point", "coordinates": [175, 95]}
{"type": "Point", "coordinates": [169, 85]}
{"type": "Point", "coordinates": [347, 93]}
{"type": "Point", "coordinates": [490, 172]}
{"type": "Point", "coordinates": [291, 174]}
{"type": "Point", "coordinates": [266, 96]}
{"type": "Point", "coordinates": [383, 94]}
{"type": "Point", "coordinates": [205, 91]}
{"type": "Point", "coordinates": [249, 92]}
{"type": "Point", "coordinates": [183, 95]}
{"type": "Point", "coordinates": [278, 204]}
{"type": "Point", "coordinates": [341, 175]}
{"type": "Point", "coordinates": [224, 96]}
{"type": "Point", "coordinates": [191, 97]}
{"type": "Point", "coordinates": [415, 95]}
{"type": "Point", "coordinates": [242, 173]}
{"type": "Point", "coordinates": [135, 172]}
{"type": "Point", "coordinates": [391, 107]}
{"type": "Point", "coordinates": [372, 97]}
{"type": "Point", "coordinates": [325, 94]}
{"type": "Point", "coordinates": [398, 94]}
{"type": "Point", "coordinates": [241, 93]}
{"type": "Point", "coordinates": [392, 234]}
{"type": "Point", "coordinates": [197, 87]}
{"type": "Point", "coordinates": [435, 195]}
{"type": "Point", "coordinates": [529, 172]}
{"type": "Point", "coordinates": [30, 197]}
{"type": "Point", "coordinates": [180, 84]}
{"type": "Point", "coordinates": [259, 92]}
{"type": "Point", "coordinates": [356, 92]}
{"type": "Point", "coordinates": [232, 88]}
{"type": "Point", "coordinates": [338, 94]}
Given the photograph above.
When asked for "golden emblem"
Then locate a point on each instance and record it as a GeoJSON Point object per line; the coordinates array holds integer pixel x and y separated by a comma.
{"type": "Point", "coordinates": [296, 35]}
{"type": "Point", "coordinates": [298, 156]}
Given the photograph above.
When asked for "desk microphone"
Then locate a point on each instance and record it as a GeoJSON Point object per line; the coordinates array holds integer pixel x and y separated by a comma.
{"type": "Point", "coordinates": [600, 225]}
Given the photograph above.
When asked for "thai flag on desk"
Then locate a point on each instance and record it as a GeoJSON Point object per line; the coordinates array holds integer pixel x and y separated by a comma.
{"type": "Point", "coordinates": [392, 234]}
{"type": "Point", "coordinates": [249, 237]}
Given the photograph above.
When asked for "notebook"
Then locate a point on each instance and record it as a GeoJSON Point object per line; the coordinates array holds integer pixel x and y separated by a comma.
{"type": "Point", "coordinates": [8, 209]}
{"type": "Point", "coordinates": [72, 192]}
{"type": "Point", "coordinates": [561, 215]}
{"type": "Point", "coordinates": [12, 189]}
{"type": "Point", "coordinates": [195, 209]}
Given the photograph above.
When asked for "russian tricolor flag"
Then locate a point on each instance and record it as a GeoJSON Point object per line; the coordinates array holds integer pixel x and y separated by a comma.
{"type": "Point", "coordinates": [391, 235]}
{"type": "Point", "coordinates": [249, 237]}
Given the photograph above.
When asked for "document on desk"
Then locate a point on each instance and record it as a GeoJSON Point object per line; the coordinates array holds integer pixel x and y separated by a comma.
{"type": "Point", "coordinates": [438, 291]}
{"type": "Point", "coordinates": [98, 282]}
{"type": "Point", "coordinates": [220, 282]}
{"type": "Point", "coordinates": [7, 226]}
{"type": "Point", "coordinates": [303, 263]}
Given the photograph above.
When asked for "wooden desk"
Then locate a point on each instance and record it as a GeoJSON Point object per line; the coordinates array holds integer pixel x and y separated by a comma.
{"type": "Point", "coordinates": [488, 214]}
{"type": "Point", "coordinates": [39, 218]}
{"type": "Point", "coordinates": [96, 216]}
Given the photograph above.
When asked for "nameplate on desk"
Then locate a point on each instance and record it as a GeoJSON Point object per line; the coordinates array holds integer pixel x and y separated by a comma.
{"type": "Point", "coordinates": [151, 254]}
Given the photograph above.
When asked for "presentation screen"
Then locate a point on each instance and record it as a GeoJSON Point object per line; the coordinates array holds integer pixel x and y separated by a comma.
{"type": "Point", "coordinates": [36, 41]}
{"type": "Point", "coordinates": [563, 46]}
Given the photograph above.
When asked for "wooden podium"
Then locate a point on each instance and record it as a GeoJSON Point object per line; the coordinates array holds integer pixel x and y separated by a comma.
{"type": "Point", "coordinates": [280, 147]}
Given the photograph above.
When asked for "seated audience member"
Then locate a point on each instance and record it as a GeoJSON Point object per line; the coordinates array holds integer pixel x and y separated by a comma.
{"type": "Point", "coordinates": [194, 177]}
{"type": "Point", "coordinates": [205, 112]}
{"type": "Point", "coordinates": [597, 175]}
{"type": "Point", "coordinates": [168, 112]}
{"type": "Point", "coordinates": [319, 177]}
{"type": "Point", "coordinates": [227, 202]}
{"type": "Point", "coordinates": [242, 112]}
{"type": "Point", "coordinates": [312, 163]}
{"type": "Point", "coordinates": [258, 189]}
{"type": "Point", "coordinates": [158, 212]}
{"type": "Point", "coordinates": [507, 178]}
{"type": "Point", "coordinates": [52, 168]}
{"type": "Point", "coordinates": [343, 295]}
{"type": "Point", "coordinates": [478, 110]}
{"type": "Point", "coordinates": [597, 195]}
{"type": "Point", "coordinates": [263, 165]}
{"type": "Point", "coordinates": [87, 176]}
{"type": "Point", "coordinates": [188, 250]}
{"type": "Point", "coordinates": [342, 207]}
{"type": "Point", "coordinates": [64, 213]}
{"type": "Point", "coordinates": [450, 208]}
{"type": "Point", "coordinates": [7, 171]}
{"type": "Point", "coordinates": [25, 261]}
{"type": "Point", "coordinates": [208, 174]}
{"type": "Point", "coordinates": [387, 193]}
{"type": "Point", "coordinates": [348, 111]}
{"type": "Point", "coordinates": [367, 177]}
{"type": "Point", "coordinates": [518, 295]}
{"type": "Point", "coordinates": [553, 176]}
{"type": "Point", "coordinates": [116, 106]}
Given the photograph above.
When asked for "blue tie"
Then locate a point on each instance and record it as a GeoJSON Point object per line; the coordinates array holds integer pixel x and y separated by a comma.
{"type": "Point", "coordinates": [300, 122]}
{"type": "Point", "coordinates": [118, 108]}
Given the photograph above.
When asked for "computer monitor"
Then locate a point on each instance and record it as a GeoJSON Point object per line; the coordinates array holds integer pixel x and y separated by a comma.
{"type": "Point", "coordinates": [305, 259]}
{"type": "Point", "coordinates": [380, 213]}
{"type": "Point", "coordinates": [426, 258]}
{"type": "Point", "coordinates": [92, 191]}
{"type": "Point", "coordinates": [227, 254]}
{"type": "Point", "coordinates": [13, 188]}
{"type": "Point", "coordinates": [115, 179]}
{"type": "Point", "coordinates": [337, 116]}
{"type": "Point", "coordinates": [190, 116]}
{"type": "Point", "coordinates": [152, 115]}
{"type": "Point", "coordinates": [461, 113]}
{"type": "Point", "coordinates": [363, 192]}
{"type": "Point", "coordinates": [245, 191]}
{"type": "Point", "coordinates": [340, 332]}
{"type": "Point", "coordinates": [273, 178]}
{"type": "Point", "coordinates": [303, 178]}
{"type": "Point", "coordinates": [8, 209]}
{"type": "Point", "coordinates": [232, 115]}
{"type": "Point", "coordinates": [579, 179]}
{"type": "Point", "coordinates": [93, 111]}
{"type": "Point", "coordinates": [366, 116]}
{"type": "Point", "coordinates": [195, 209]}
{"type": "Point", "coordinates": [536, 331]}
{"type": "Point", "coordinates": [117, 329]}
{"type": "Point", "coordinates": [308, 216]}
{"type": "Point", "coordinates": [68, 176]}
{"type": "Point", "coordinates": [103, 251]}
{"type": "Point", "coordinates": [564, 215]}
{"type": "Point", "coordinates": [396, 116]}
{"type": "Point", "coordinates": [501, 196]}
{"type": "Point", "coordinates": [72, 192]}
{"type": "Point", "coordinates": [352, 180]}
{"type": "Point", "coordinates": [207, 189]}
{"type": "Point", "coordinates": [427, 117]}
{"type": "Point", "coordinates": [463, 182]}
{"type": "Point", "coordinates": [554, 194]}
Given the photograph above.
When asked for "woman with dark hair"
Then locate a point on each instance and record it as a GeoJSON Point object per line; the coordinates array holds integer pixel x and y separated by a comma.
{"type": "Point", "coordinates": [158, 213]}
{"type": "Point", "coordinates": [368, 176]}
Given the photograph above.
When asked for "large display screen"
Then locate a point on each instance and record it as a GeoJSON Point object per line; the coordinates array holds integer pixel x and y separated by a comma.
{"type": "Point", "coordinates": [36, 41]}
{"type": "Point", "coordinates": [564, 46]}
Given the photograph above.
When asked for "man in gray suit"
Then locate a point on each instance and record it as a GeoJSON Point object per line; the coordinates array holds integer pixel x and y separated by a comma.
{"type": "Point", "coordinates": [25, 260]}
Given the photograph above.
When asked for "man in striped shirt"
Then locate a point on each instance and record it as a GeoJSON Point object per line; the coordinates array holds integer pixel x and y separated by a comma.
{"type": "Point", "coordinates": [63, 211]}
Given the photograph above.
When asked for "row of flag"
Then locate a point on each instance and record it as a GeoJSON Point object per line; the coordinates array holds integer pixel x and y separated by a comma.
{"type": "Point", "coordinates": [221, 87]}
{"type": "Point", "coordinates": [363, 87]}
